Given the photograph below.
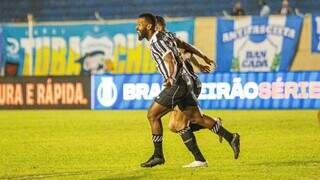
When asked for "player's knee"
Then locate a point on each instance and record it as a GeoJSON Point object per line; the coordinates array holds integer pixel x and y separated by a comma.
{"type": "Point", "coordinates": [152, 116]}
{"type": "Point", "coordinates": [172, 127]}
{"type": "Point", "coordinates": [175, 126]}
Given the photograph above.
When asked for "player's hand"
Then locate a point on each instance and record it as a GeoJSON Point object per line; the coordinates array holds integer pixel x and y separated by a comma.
{"type": "Point", "coordinates": [204, 68]}
{"type": "Point", "coordinates": [208, 60]}
{"type": "Point", "coordinates": [168, 82]}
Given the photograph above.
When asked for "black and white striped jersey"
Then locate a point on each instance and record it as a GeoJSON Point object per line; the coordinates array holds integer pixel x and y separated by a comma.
{"type": "Point", "coordinates": [162, 43]}
{"type": "Point", "coordinates": [186, 62]}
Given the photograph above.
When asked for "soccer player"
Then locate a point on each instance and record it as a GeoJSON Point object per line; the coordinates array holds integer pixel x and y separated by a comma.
{"type": "Point", "coordinates": [165, 52]}
{"type": "Point", "coordinates": [177, 120]}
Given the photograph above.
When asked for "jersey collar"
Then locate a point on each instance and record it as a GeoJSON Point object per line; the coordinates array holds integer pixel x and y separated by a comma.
{"type": "Point", "coordinates": [154, 37]}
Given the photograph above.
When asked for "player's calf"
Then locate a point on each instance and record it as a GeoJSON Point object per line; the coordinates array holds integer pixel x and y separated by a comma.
{"type": "Point", "coordinates": [195, 127]}
{"type": "Point", "coordinates": [157, 158]}
{"type": "Point", "coordinates": [191, 143]}
{"type": "Point", "coordinates": [232, 138]}
{"type": "Point", "coordinates": [216, 127]}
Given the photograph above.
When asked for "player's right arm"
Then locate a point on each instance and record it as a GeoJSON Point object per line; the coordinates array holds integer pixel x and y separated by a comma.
{"type": "Point", "coordinates": [193, 50]}
{"type": "Point", "coordinates": [169, 61]}
{"type": "Point", "coordinates": [187, 56]}
{"type": "Point", "coordinates": [203, 68]}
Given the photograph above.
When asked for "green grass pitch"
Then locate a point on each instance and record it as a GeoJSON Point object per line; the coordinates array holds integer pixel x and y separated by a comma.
{"type": "Point", "coordinates": [111, 145]}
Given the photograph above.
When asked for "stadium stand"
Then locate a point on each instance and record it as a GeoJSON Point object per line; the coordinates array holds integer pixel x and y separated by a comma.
{"type": "Point", "coordinates": [57, 10]}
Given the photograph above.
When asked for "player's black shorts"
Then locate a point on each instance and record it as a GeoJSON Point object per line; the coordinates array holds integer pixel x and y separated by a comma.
{"type": "Point", "coordinates": [182, 94]}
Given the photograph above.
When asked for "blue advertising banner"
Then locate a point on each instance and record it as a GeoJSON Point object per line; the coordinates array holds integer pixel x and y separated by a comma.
{"type": "Point", "coordinates": [83, 48]}
{"type": "Point", "coordinates": [124, 91]}
{"type": "Point", "coordinates": [263, 90]}
{"type": "Point", "coordinates": [257, 44]}
{"type": "Point", "coordinates": [315, 33]}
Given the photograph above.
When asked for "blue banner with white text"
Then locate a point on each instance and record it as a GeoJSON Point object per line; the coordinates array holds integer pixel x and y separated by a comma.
{"type": "Point", "coordinates": [257, 44]}
{"type": "Point", "coordinates": [315, 33]}
{"type": "Point", "coordinates": [263, 90]}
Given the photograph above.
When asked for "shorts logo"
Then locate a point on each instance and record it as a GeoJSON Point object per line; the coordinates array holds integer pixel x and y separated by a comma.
{"type": "Point", "coordinates": [107, 92]}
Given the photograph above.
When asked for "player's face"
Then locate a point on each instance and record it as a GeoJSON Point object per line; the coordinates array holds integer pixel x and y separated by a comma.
{"type": "Point", "coordinates": [141, 28]}
{"type": "Point", "coordinates": [159, 27]}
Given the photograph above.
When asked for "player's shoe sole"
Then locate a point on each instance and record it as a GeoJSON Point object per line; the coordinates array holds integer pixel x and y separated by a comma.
{"type": "Point", "coordinates": [235, 145]}
{"type": "Point", "coordinates": [196, 164]}
{"type": "Point", "coordinates": [153, 161]}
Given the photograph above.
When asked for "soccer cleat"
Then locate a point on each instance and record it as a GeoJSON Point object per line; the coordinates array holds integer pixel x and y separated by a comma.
{"type": "Point", "coordinates": [235, 144]}
{"type": "Point", "coordinates": [219, 121]}
{"type": "Point", "coordinates": [153, 161]}
{"type": "Point", "coordinates": [196, 164]}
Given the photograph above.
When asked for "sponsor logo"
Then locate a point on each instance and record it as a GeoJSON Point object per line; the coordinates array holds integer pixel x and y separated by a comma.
{"type": "Point", "coordinates": [264, 90]}
{"type": "Point", "coordinates": [107, 92]}
{"type": "Point", "coordinates": [139, 91]}
{"type": "Point", "coordinates": [44, 93]}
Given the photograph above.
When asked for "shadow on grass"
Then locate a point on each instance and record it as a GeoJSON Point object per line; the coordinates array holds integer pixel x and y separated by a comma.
{"type": "Point", "coordinates": [287, 163]}
{"type": "Point", "coordinates": [54, 174]}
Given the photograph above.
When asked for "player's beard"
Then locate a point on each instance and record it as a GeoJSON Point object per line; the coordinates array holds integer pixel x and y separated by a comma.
{"type": "Point", "coordinates": [142, 34]}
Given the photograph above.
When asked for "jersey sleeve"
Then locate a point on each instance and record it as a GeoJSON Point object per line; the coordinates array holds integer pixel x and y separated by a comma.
{"type": "Point", "coordinates": [161, 48]}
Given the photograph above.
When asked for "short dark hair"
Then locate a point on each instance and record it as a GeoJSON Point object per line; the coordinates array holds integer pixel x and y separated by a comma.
{"type": "Point", "coordinates": [150, 18]}
{"type": "Point", "coordinates": [161, 20]}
